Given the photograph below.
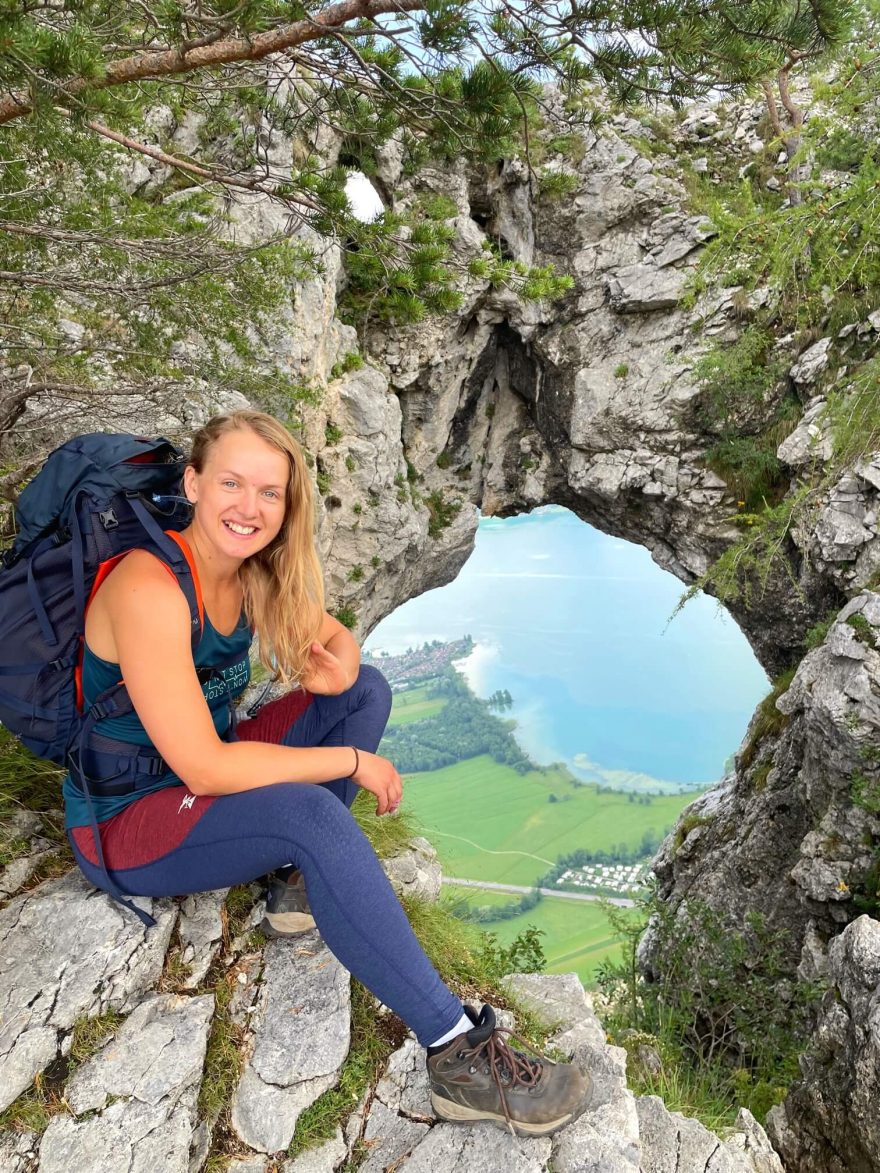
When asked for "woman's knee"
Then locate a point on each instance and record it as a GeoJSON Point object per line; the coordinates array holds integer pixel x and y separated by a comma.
{"type": "Point", "coordinates": [372, 680]}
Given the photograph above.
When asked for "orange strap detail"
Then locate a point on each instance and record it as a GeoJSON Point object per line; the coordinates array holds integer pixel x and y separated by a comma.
{"type": "Point", "coordinates": [103, 572]}
{"type": "Point", "coordinates": [187, 553]}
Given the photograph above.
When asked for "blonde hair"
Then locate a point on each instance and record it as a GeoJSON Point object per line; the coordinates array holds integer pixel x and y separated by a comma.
{"type": "Point", "coordinates": [283, 584]}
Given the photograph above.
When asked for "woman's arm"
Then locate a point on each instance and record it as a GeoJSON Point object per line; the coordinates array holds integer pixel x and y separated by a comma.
{"type": "Point", "coordinates": [150, 625]}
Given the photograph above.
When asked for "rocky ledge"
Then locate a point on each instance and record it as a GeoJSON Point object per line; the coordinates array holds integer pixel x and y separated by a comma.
{"type": "Point", "coordinates": [131, 1103]}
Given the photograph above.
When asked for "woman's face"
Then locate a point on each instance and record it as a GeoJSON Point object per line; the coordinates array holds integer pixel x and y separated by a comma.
{"type": "Point", "coordinates": [241, 493]}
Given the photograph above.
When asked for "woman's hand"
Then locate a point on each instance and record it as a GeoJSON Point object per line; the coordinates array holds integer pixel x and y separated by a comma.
{"type": "Point", "coordinates": [380, 777]}
{"type": "Point", "coordinates": [325, 673]}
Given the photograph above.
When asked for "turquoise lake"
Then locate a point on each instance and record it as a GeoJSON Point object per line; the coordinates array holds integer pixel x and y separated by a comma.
{"type": "Point", "coordinates": [577, 626]}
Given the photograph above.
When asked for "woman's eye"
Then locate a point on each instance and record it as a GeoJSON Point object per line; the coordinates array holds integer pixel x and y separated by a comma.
{"type": "Point", "coordinates": [230, 485]}
{"type": "Point", "coordinates": [271, 493]}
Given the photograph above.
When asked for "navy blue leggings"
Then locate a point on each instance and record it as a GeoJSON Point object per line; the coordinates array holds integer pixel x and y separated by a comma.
{"type": "Point", "coordinates": [244, 835]}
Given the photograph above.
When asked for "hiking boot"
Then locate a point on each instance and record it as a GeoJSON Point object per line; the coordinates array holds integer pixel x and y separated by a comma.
{"type": "Point", "coordinates": [478, 1076]}
{"type": "Point", "coordinates": [287, 908]}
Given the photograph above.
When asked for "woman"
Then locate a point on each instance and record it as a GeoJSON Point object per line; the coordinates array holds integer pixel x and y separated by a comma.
{"type": "Point", "coordinates": [233, 806]}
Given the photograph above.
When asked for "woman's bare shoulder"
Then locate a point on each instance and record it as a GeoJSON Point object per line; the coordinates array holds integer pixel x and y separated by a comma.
{"type": "Point", "coordinates": [141, 581]}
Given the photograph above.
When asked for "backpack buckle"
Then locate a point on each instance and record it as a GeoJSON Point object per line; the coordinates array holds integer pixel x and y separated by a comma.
{"type": "Point", "coordinates": [108, 519]}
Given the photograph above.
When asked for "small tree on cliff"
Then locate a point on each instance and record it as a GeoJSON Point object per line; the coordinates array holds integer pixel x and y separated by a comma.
{"type": "Point", "coordinates": [133, 133]}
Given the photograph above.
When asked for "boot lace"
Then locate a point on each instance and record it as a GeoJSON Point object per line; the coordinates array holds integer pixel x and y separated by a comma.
{"type": "Point", "coordinates": [508, 1068]}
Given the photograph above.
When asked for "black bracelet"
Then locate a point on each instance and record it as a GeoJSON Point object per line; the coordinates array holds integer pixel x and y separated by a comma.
{"type": "Point", "coordinates": [357, 761]}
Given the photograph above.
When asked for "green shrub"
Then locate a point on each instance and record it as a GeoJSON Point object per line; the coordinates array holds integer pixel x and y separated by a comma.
{"type": "Point", "coordinates": [351, 362]}
{"type": "Point", "coordinates": [332, 434]}
{"type": "Point", "coordinates": [443, 460]}
{"type": "Point", "coordinates": [767, 719]}
{"type": "Point", "coordinates": [738, 375]}
{"type": "Point", "coordinates": [714, 1009]}
{"type": "Point", "coordinates": [356, 573]}
{"type": "Point", "coordinates": [864, 632]}
{"type": "Point", "coordinates": [324, 481]}
{"type": "Point", "coordinates": [557, 185]}
{"type": "Point", "coordinates": [865, 792]}
{"type": "Point", "coordinates": [439, 207]}
{"type": "Point", "coordinates": [442, 512]}
{"type": "Point", "coordinates": [761, 555]}
{"type": "Point", "coordinates": [347, 616]}
{"type": "Point", "coordinates": [621, 370]}
{"type": "Point", "coordinates": [817, 634]}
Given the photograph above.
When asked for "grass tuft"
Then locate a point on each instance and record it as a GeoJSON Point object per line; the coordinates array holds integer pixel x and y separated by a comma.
{"type": "Point", "coordinates": [389, 835]}
{"type": "Point", "coordinates": [90, 1034]}
{"type": "Point", "coordinates": [36, 1106]}
{"type": "Point", "coordinates": [223, 1057]}
{"type": "Point", "coordinates": [767, 718]}
{"type": "Point", "coordinates": [26, 782]}
{"type": "Point", "coordinates": [687, 824]}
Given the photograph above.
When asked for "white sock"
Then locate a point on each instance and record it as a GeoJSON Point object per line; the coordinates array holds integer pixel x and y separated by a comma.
{"type": "Point", "coordinates": [463, 1024]}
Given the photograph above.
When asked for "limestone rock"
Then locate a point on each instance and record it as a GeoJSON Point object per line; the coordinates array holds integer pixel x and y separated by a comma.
{"type": "Point", "coordinates": [671, 1142]}
{"type": "Point", "coordinates": [389, 1138]}
{"type": "Point", "coordinates": [248, 1165]}
{"type": "Point", "coordinates": [454, 1148]}
{"type": "Point", "coordinates": [605, 1138]}
{"type": "Point", "coordinates": [404, 1087]}
{"type": "Point", "coordinates": [557, 998]}
{"type": "Point", "coordinates": [144, 1085]}
{"type": "Point", "coordinates": [639, 289]}
{"type": "Point", "coordinates": [751, 1142]}
{"type": "Point", "coordinates": [67, 951]}
{"type": "Point", "coordinates": [300, 1036]}
{"type": "Point", "coordinates": [810, 442]}
{"type": "Point", "coordinates": [829, 1122]}
{"type": "Point", "coordinates": [22, 835]}
{"type": "Point", "coordinates": [416, 872]}
{"type": "Point", "coordinates": [811, 363]}
{"type": "Point", "coordinates": [18, 1152]}
{"type": "Point", "coordinates": [323, 1159]}
{"type": "Point", "coordinates": [159, 1049]}
{"type": "Point", "coordinates": [201, 932]}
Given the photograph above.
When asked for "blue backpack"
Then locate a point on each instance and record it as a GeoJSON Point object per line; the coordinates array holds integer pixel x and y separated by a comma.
{"type": "Point", "coordinates": [96, 498]}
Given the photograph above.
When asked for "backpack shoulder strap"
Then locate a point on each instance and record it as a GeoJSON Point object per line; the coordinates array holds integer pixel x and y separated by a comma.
{"type": "Point", "coordinates": [193, 580]}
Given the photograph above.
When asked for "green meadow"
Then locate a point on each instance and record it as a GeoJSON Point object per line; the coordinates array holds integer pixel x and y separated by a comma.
{"type": "Point", "coordinates": [414, 705]}
{"type": "Point", "coordinates": [488, 822]}
{"type": "Point", "coordinates": [576, 934]}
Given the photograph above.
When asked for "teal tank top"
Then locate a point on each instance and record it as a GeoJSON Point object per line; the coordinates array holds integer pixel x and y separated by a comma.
{"type": "Point", "coordinates": [98, 675]}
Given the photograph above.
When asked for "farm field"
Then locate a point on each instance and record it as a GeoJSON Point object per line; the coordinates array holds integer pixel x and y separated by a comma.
{"type": "Point", "coordinates": [414, 705]}
{"type": "Point", "coordinates": [577, 935]}
{"type": "Point", "coordinates": [489, 823]}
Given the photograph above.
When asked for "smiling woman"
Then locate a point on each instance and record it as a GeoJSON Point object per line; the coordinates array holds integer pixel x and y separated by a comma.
{"type": "Point", "coordinates": [202, 803]}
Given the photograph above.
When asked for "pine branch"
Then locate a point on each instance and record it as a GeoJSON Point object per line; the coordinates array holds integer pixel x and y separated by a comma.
{"type": "Point", "coordinates": [163, 63]}
{"type": "Point", "coordinates": [256, 184]}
